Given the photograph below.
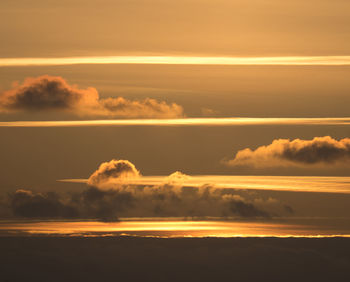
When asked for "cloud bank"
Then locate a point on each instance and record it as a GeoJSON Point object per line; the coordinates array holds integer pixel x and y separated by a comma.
{"type": "Point", "coordinates": [108, 197]}
{"type": "Point", "coordinates": [53, 93]}
{"type": "Point", "coordinates": [145, 201]}
{"type": "Point", "coordinates": [25, 203]}
{"type": "Point", "coordinates": [320, 151]}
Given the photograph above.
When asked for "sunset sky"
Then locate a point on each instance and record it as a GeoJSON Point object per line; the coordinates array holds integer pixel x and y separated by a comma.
{"type": "Point", "coordinates": [186, 140]}
{"type": "Point", "coordinates": [219, 95]}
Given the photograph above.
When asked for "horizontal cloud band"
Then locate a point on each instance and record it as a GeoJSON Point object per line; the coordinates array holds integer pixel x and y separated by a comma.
{"type": "Point", "coordinates": [180, 60]}
{"type": "Point", "coordinates": [231, 121]}
{"type": "Point", "coordinates": [251, 182]}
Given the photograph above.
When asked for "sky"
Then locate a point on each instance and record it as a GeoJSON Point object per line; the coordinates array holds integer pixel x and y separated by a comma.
{"type": "Point", "coordinates": [173, 90]}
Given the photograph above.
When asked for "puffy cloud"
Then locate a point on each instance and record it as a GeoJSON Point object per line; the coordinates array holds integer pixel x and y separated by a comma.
{"type": "Point", "coordinates": [320, 151]}
{"type": "Point", "coordinates": [47, 93]}
{"type": "Point", "coordinates": [114, 170]}
{"type": "Point", "coordinates": [177, 178]}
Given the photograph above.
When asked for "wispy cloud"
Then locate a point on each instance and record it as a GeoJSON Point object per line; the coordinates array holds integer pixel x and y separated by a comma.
{"type": "Point", "coordinates": [180, 60]}
{"type": "Point", "coordinates": [271, 183]}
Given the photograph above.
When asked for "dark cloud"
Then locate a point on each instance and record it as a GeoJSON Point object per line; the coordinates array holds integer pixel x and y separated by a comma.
{"type": "Point", "coordinates": [101, 204]}
{"type": "Point", "coordinates": [46, 93]}
{"type": "Point", "coordinates": [92, 203]}
{"type": "Point", "coordinates": [246, 209]}
{"type": "Point", "coordinates": [139, 201]}
{"type": "Point", "coordinates": [27, 204]}
{"type": "Point", "coordinates": [109, 196]}
{"type": "Point", "coordinates": [5, 211]}
{"type": "Point", "coordinates": [320, 151]}
{"type": "Point", "coordinates": [173, 198]}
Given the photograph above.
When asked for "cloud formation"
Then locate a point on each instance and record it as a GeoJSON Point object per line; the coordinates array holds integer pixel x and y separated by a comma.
{"type": "Point", "coordinates": [91, 203]}
{"type": "Point", "coordinates": [109, 196]}
{"type": "Point", "coordinates": [47, 93]}
{"type": "Point", "coordinates": [320, 151]}
{"type": "Point", "coordinates": [25, 203]}
{"type": "Point", "coordinates": [172, 198]}
{"type": "Point", "coordinates": [144, 201]}
{"type": "Point", "coordinates": [114, 170]}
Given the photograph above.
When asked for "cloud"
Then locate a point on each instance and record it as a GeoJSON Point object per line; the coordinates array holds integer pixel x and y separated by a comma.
{"type": "Point", "coordinates": [238, 205]}
{"type": "Point", "coordinates": [320, 151]}
{"type": "Point", "coordinates": [88, 204]}
{"type": "Point", "coordinates": [144, 201]}
{"type": "Point", "coordinates": [53, 93]}
{"type": "Point", "coordinates": [101, 204]}
{"type": "Point", "coordinates": [25, 203]}
{"type": "Point", "coordinates": [109, 196]}
{"type": "Point", "coordinates": [114, 170]}
{"type": "Point", "coordinates": [177, 177]}
{"type": "Point", "coordinates": [208, 112]}
{"type": "Point", "coordinates": [172, 198]}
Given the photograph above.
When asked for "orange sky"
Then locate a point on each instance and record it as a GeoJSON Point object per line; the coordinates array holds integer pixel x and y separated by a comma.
{"type": "Point", "coordinates": [200, 87]}
{"type": "Point", "coordinates": [254, 28]}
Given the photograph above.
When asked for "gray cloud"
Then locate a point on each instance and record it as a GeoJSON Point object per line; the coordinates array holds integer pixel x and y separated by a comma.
{"type": "Point", "coordinates": [25, 203]}
{"type": "Point", "coordinates": [320, 151]}
{"type": "Point", "coordinates": [47, 93]}
{"type": "Point", "coordinates": [88, 204]}
{"type": "Point", "coordinates": [109, 196]}
{"type": "Point", "coordinates": [140, 201]}
{"type": "Point", "coordinates": [245, 209]}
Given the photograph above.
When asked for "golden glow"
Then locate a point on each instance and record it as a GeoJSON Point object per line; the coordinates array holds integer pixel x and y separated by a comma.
{"type": "Point", "coordinates": [275, 183]}
{"type": "Point", "coordinates": [231, 121]}
{"type": "Point", "coordinates": [181, 60]}
{"type": "Point", "coordinates": [167, 229]}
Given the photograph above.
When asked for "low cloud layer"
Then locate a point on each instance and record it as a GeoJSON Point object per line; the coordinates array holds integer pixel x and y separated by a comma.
{"type": "Point", "coordinates": [50, 93]}
{"type": "Point", "coordinates": [145, 201]}
{"type": "Point", "coordinates": [25, 203]}
{"type": "Point", "coordinates": [109, 197]}
{"type": "Point", "coordinates": [320, 151]}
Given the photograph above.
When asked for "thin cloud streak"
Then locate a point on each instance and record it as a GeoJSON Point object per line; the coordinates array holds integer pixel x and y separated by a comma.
{"type": "Point", "coordinates": [231, 121]}
{"type": "Point", "coordinates": [170, 228]}
{"type": "Point", "coordinates": [272, 183]}
{"type": "Point", "coordinates": [180, 60]}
